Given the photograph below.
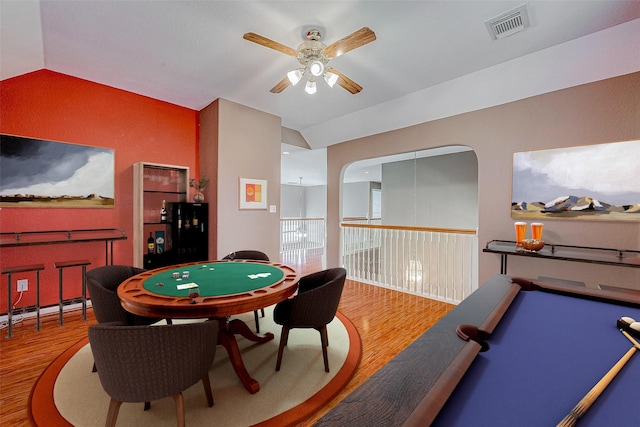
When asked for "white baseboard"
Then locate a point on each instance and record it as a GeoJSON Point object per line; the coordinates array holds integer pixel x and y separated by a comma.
{"type": "Point", "coordinates": [44, 310]}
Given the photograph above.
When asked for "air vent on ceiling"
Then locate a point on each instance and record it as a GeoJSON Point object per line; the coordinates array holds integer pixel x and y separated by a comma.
{"type": "Point", "coordinates": [508, 23]}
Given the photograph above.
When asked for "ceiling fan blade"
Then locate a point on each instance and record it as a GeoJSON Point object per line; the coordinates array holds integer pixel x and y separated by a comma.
{"type": "Point", "coordinates": [346, 82]}
{"type": "Point", "coordinates": [282, 85]}
{"type": "Point", "coordinates": [352, 41]}
{"type": "Point", "coordinates": [253, 37]}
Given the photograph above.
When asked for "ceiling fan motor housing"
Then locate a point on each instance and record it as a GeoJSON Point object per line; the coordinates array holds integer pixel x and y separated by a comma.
{"type": "Point", "coordinates": [311, 55]}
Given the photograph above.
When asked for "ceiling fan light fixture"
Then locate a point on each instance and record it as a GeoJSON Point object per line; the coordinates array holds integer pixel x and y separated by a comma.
{"type": "Point", "coordinates": [310, 88]}
{"type": "Point", "coordinates": [316, 68]}
{"type": "Point", "coordinates": [314, 56]}
{"type": "Point", "coordinates": [330, 78]}
{"type": "Point", "coordinates": [294, 76]}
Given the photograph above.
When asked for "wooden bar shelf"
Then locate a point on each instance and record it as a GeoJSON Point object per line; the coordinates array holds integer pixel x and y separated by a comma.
{"type": "Point", "coordinates": [586, 254]}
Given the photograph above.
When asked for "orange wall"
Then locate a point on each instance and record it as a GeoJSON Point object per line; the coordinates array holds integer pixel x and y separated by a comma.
{"type": "Point", "coordinates": [57, 107]}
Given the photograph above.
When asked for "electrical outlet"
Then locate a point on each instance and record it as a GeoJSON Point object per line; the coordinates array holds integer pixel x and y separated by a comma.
{"type": "Point", "coordinates": [23, 285]}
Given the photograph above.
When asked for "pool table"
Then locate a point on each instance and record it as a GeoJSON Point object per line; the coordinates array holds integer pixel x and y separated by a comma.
{"type": "Point", "coordinates": [538, 349]}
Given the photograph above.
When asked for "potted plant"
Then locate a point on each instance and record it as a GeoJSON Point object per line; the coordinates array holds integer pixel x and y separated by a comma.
{"type": "Point", "coordinates": [198, 197]}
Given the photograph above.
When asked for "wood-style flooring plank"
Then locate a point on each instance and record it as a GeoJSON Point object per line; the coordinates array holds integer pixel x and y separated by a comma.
{"type": "Point", "coordinates": [25, 356]}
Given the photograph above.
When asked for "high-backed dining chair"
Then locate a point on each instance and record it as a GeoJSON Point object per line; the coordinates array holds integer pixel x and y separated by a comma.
{"type": "Point", "coordinates": [145, 363]}
{"type": "Point", "coordinates": [314, 306]}
{"type": "Point", "coordinates": [250, 255]}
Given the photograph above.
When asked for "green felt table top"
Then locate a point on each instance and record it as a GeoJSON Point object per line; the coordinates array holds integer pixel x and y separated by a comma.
{"type": "Point", "coordinates": [214, 279]}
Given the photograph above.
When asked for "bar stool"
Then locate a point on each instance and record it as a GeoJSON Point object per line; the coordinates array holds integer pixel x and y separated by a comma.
{"type": "Point", "coordinates": [22, 269]}
{"type": "Point", "coordinates": [61, 265]}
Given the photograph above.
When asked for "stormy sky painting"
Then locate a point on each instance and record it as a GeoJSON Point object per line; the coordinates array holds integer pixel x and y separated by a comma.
{"type": "Point", "coordinates": [50, 170]}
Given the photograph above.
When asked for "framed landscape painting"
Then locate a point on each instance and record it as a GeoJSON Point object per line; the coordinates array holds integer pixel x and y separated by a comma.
{"type": "Point", "coordinates": [41, 173]}
{"type": "Point", "coordinates": [595, 182]}
{"type": "Point", "coordinates": [253, 193]}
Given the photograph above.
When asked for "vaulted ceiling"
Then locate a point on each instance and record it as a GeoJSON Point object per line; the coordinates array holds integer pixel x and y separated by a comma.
{"type": "Point", "coordinates": [426, 54]}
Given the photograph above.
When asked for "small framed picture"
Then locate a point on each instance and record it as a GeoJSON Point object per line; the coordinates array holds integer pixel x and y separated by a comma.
{"type": "Point", "coordinates": [252, 193]}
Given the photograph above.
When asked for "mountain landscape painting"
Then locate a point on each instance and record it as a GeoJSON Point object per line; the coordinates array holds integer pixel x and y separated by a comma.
{"type": "Point", "coordinates": [40, 173]}
{"type": "Point", "coordinates": [594, 182]}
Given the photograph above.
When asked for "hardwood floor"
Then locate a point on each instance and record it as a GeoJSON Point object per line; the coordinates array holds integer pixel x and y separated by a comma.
{"type": "Point", "coordinates": [387, 321]}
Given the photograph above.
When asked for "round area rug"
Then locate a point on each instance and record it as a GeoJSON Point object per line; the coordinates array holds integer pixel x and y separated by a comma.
{"type": "Point", "coordinates": [68, 393]}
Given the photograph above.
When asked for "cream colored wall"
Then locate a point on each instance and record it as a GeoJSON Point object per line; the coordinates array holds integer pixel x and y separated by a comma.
{"type": "Point", "coordinates": [248, 146]}
{"type": "Point", "coordinates": [604, 111]}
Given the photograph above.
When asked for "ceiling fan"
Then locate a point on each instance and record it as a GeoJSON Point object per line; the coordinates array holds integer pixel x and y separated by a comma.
{"type": "Point", "coordinates": [314, 56]}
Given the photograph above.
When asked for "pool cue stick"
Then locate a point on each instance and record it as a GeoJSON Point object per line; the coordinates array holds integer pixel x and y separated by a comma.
{"type": "Point", "coordinates": [581, 408]}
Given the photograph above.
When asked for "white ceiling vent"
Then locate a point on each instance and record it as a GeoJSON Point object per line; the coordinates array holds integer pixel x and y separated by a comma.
{"type": "Point", "coordinates": [508, 23]}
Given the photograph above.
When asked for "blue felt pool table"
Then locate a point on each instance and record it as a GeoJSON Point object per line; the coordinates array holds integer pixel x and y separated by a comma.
{"type": "Point", "coordinates": [547, 352]}
{"type": "Point", "coordinates": [540, 348]}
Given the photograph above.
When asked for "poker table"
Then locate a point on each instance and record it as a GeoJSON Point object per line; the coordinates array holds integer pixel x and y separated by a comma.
{"type": "Point", "coordinates": [516, 352]}
{"type": "Point", "coordinates": [212, 289]}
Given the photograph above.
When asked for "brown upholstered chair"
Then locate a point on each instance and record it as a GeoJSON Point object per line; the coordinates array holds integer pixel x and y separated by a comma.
{"type": "Point", "coordinates": [145, 363]}
{"type": "Point", "coordinates": [102, 283]}
{"type": "Point", "coordinates": [314, 306]}
{"type": "Point", "coordinates": [250, 255]}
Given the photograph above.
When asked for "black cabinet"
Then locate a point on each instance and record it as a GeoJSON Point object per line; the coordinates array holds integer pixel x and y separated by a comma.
{"type": "Point", "coordinates": [186, 236]}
